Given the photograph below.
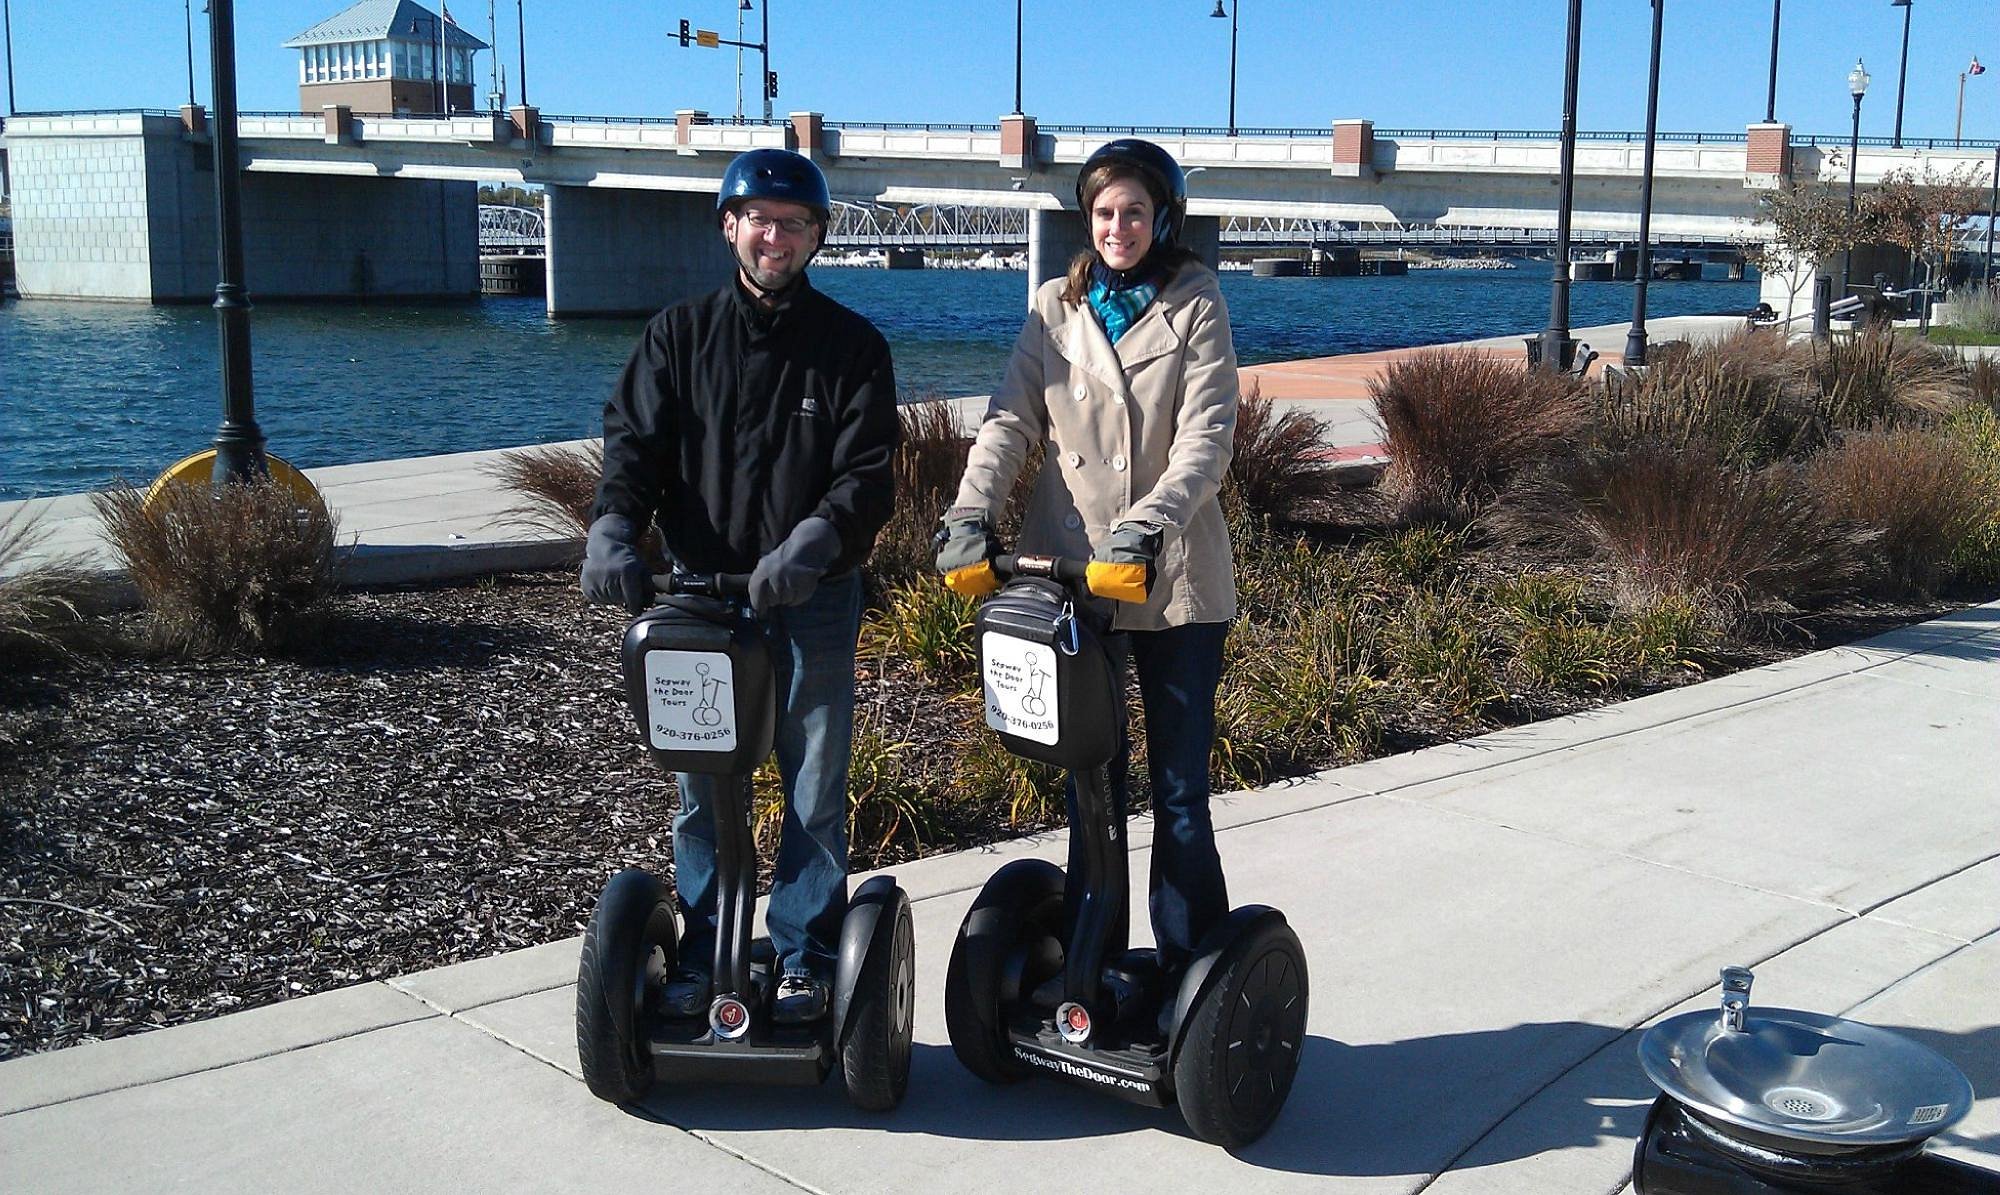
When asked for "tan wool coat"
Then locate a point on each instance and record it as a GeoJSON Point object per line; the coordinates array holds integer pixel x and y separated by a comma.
{"type": "Point", "coordinates": [1137, 432]}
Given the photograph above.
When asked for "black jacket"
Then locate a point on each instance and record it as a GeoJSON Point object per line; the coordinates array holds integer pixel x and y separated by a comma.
{"type": "Point", "coordinates": [733, 424]}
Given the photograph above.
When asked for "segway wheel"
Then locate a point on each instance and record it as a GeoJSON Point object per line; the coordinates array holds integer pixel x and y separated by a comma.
{"type": "Point", "coordinates": [628, 950]}
{"type": "Point", "coordinates": [1022, 900]}
{"type": "Point", "coordinates": [1242, 1043]}
{"type": "Point", "coordinates": [875, 1048]}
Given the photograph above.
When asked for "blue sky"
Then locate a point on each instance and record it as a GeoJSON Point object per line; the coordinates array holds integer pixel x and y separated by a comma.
{"type": "Point", "coordinates": [1417, 63]}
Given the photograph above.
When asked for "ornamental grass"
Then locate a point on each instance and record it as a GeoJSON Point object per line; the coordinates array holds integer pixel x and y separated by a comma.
{"type": "Point", "coordinates": [1460, 424]}
{"type": "Point", "coordinates": [237, 568]}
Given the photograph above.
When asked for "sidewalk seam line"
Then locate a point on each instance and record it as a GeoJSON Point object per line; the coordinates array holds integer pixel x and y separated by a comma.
{"type": "Point", "coordinates": [203, 1070]}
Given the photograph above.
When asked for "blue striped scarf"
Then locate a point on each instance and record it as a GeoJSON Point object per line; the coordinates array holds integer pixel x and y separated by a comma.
{"type": "Point", "coordinates": [1118, 302]}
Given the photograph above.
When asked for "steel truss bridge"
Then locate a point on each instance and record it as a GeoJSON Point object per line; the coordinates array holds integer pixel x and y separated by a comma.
{"type": "Point", "coordinates": [521, 230]}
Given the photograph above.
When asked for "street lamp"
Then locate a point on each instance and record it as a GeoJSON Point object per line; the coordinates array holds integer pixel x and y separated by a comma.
{"type": "Point", "coordinates": [1771, 94]}
{"type": "Point", "coordinates": [1556, 346]}
{"type": "Point", "coordinates": [1017, 56]}
{"type": "Point", "coordinates": [239, 442]}
{"type": "Point", "coordinates": [1635, 340]}
{"type": "Point", "coordinates": [187, 11]}
{"type": "Point", "coordinates": [1902, 71]}
{"type": "Point", "coordinates": [7, 25]}
{"type": "Point", "coordinates": [1857, 86]}
{"type": "Point", "coordinates": [521, 42]}
{"type": "Point", "coordinates": [740, 10]}
{"type": "Point", "coordinates": [1222, 12]}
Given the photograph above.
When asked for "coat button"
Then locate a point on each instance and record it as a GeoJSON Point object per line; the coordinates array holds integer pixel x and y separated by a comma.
{"type": "Point", "coordinates": [1080, 392]}
{"type": "Point", "coordinates": [1076, 460]}
{"type": "Point", "coordinates": [1118, 462]}
{"type": "Point", "coordinates": [1072, 520]}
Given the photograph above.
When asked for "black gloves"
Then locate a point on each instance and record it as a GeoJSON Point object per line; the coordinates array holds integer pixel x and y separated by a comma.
{"type": "Point", "coordinates": [788, 573]}
{"type": "Point", "coordinates": [965, 539]}
{"type": "Point", "coordinates": [612, 571]}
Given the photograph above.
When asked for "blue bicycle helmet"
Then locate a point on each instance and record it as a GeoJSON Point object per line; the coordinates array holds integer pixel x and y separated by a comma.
{"type": "Point", "coordinates": [1163, 176]}
{"type": "Point", "coordinates": [774, 174]}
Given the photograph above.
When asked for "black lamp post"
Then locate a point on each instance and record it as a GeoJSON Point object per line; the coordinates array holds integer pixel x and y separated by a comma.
{"type": "Point", "coordinates": [1903, 70]}
{"type": "Point", "coordinates": [239, 442]}
{"type": "Point", "coordinates": [1557, 349]}
{"type": "Point", "coordinates": [1017, 57]}
{"type": "Point", "coordinates": [1992, 217]}
{"type": "Point", "coordinates": [1771, 93]}
{"type": "Point", "coordinates": [521, 40]}
{"type": "Point", "coordinates": [187, 11]}
{"type": "Point", "coordinates": [1220, 11]}
{"type": "Point", "coordinates": [7, 26]}
{"type": "Point", "coordinates": [1635, 340]}
{"type": "Point", "coordinates": [1857, 86]}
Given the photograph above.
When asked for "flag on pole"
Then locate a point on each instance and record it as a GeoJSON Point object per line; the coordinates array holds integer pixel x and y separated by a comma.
{"type": "Point", "coordinates": [1975, 68]}
{"type": "Point", "coordinates": [446, 9]}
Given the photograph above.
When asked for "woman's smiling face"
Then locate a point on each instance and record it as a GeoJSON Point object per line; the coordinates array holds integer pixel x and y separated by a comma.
{"type": "Point", "coordinates": [1121, 223]}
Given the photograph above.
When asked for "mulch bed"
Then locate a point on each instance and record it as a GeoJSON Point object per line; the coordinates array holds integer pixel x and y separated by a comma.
{"type": "Point", "coordinates": [438, 774]}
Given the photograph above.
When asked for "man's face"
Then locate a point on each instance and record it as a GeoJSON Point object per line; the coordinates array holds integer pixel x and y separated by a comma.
{"type": "Point", "coordinates": [772, 240]}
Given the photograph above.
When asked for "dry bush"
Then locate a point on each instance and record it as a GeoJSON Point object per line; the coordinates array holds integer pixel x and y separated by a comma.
{"type": "Point", "coordinates": [1461, 424]}
{"type": "Point", "coordinates": [38, 602]}
{"type": "Point", "coordinates": [1879, 377]}
{"type": "Point", "coordinates": [930, 460]}
{"type": "Point", "coordinates": [1674, 524]}
{"type": "Point", "coordinates": [1746, 400]}
{"type": "Point", "coordinates": [1924, 495]}
{"type": "Point", "coordinates": [1281, 465]}
{"type": "Point", "coordinates": [555, 489]}
{"type": "Point", "coordinates": [1982, 380]}
{"type": "Point", "coordinates": [241, 567]}
{"type": "Point", "coordinates": [554, 486]}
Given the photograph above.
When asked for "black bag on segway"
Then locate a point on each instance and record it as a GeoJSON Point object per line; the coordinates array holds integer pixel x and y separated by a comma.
{"type": "Point", "coordinates": [698, 678]}
{"type": "Point", "coordinates": [1050, 690]}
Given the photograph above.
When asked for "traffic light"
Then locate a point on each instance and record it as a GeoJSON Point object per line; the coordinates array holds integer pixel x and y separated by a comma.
{"type": "Point", "coordinates": [686, 33]}
{"type": "Point", "coordinates": [771, 85]}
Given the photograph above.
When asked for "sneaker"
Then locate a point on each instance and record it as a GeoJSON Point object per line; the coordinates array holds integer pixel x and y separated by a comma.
{"type": "Point", "coordinates": [801, 1000]}
{"type": "Point", "coordinates": [686, 992]}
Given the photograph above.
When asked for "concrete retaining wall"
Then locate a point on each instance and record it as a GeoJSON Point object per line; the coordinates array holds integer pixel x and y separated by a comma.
{"type": "Point", "coordinates": [615, 252]}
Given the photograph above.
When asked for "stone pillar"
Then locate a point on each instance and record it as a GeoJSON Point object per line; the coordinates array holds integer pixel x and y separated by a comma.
{"type": "Point", "coordinates": [194, 119]}
{"type": "Point", "coordinates": [339, 124]}
{"type": "Point", "coordinates": [1020, 145]}
{"type": "Point", "coordinates": [626, 253]}
{"type": "Point", "coordinates": [1203, 234]}
{"type": "Point", "coordinates": [905, 259]}
{"type": "Point", "coordinates": [1354, 149]}
{"type": "Point", "coordinates": [1767, 162]}
{"type": "Point", "coordinates": [1053, 238]}
{"type": "Point", "coordinates": [527, 123]}
{"type": "Point", "coordinates": [809, 134]}
{"type": "Point", "coordinates": [685, 119]}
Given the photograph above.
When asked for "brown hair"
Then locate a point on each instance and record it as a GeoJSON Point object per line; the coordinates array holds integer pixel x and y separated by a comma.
{"type": "Point", "coordinates": [1168, 260]}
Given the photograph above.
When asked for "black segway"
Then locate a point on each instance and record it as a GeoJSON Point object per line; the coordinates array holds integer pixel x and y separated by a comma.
{"type": "Point", "coordinates": [699, 680]}
{"type": "Point", "coordinates": [1027, 994]}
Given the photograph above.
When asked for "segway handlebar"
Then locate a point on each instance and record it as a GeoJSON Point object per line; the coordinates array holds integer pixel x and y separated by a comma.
{"type": "Point", "coordinates": [1119, 582]}
{"type": "Point", "coordinates": [715, 585]}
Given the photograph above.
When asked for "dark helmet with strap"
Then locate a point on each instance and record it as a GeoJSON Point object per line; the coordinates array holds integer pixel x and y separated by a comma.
{"type": "Point", "coordinates": [1163, 177]}
{"type": "Point", "coordinates": [774, 174]}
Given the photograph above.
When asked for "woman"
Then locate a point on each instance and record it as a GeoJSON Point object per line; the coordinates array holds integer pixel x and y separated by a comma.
{"type": "Point", "coordinates": [1125, 373]}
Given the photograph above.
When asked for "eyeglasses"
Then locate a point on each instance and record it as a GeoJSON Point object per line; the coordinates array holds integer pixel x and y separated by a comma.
{"type": "Point", "coordinates": [763, 222]}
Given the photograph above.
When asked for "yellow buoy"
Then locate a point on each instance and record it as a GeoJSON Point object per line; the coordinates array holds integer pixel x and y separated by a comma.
{"type": "Point", "coordinates": [200, 467]}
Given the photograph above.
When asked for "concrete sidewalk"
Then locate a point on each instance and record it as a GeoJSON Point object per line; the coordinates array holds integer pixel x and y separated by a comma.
{"type": "Point", "coordinates": [1489, 925]}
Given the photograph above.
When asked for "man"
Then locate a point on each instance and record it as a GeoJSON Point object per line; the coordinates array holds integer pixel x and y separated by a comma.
{"type": "Point", "coordinates": [758, 424]}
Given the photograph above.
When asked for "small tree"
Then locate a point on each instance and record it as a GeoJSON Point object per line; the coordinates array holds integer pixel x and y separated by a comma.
{"type": "Point", "coordinates": [1809, 223]}
{"type": "Point", "coordinates": [1924, 215]}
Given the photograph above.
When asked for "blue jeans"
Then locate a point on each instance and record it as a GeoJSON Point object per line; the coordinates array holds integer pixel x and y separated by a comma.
{"type": "Point", "coordinates": [812, 654]}
{"type": "Point", "coordinates": [1179, 670]}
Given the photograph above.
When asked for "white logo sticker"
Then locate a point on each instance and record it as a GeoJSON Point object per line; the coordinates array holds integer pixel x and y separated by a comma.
{"type": "Point", "coordinates": [691, 700]}
{"type": "Point", "coordinates": [1020, 687]}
